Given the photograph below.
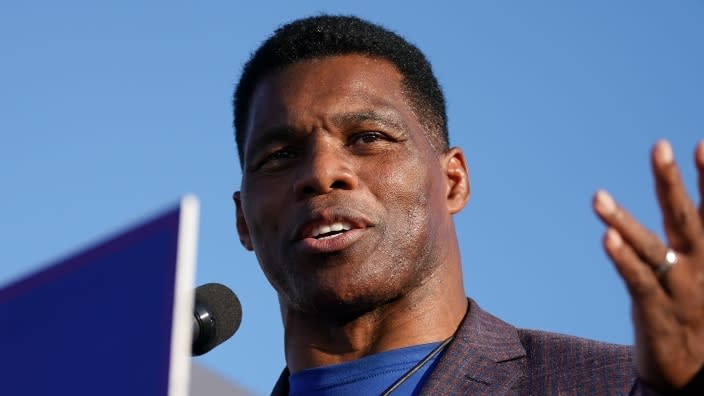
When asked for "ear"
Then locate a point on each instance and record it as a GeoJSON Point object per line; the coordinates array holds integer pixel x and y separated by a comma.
{"type": "Point", "coordinates": [457, 177]}
{"type": "Point", "coordinates": [242, 228]}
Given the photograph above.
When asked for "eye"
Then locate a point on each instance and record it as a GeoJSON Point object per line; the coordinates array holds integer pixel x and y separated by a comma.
{"type": "Point", "coordinates": [277, 159]}
{"type": "Point", "coordinates": [281, 155]}
{"type": "Point", "coordinates": [367, 137]}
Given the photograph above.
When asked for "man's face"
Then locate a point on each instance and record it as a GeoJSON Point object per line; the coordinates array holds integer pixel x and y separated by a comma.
{"type": "Point", "coordinates": [343, 199]}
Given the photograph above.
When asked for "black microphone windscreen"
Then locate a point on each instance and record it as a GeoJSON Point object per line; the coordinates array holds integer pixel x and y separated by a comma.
{"type": "Point", "coordinates": [225, 310]}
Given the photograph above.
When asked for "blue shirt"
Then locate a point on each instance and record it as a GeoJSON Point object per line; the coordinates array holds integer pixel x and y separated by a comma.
{"type": "Point", "coordinates": [369, 375]}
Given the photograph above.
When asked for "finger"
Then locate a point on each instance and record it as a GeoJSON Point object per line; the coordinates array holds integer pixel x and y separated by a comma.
{"type": "Point", "coordinates": [699, 163]}
{"type": "Point", "coordinates": [641, 282]}
{"type": "Point", "coordinates": [645, 244]}
{"type": "Point", "coordinates": [683, 226]}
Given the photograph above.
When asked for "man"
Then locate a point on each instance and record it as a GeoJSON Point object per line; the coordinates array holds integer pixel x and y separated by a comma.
{"type": "Point", "coordinates": [348, 190]}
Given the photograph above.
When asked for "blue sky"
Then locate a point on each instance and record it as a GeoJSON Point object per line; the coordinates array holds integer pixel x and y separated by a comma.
{"type": "Point", "coordinates": [109, 112]}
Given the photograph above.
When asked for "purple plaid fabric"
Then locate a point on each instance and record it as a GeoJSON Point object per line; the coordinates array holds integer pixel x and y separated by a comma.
{"type": "Point", "coordinates": [491, 357]}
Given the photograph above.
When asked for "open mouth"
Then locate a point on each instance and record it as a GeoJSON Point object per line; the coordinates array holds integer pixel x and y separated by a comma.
{"type": "Point", "coordinates": [330, 230]}
{"type": "Point", "coordinates": [330, 235]}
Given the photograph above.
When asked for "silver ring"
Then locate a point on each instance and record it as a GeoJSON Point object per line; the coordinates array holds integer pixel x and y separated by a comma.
{"type": "Point", "coordinates": [669, 261]}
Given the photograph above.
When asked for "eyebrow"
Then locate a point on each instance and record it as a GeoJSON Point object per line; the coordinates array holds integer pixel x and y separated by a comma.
{"type": "Point", "coordinates": [386, 118]}
{"type": "Point", "coordinates": [270, 135]}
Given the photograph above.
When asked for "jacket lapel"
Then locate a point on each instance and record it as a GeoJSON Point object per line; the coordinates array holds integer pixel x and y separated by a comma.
{"type": "Point", "coordinates": [486, 357]}
{"type": "Point", "coordinates": [281, 386]}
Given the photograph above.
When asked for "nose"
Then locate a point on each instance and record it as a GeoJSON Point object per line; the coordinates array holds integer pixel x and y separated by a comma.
{"type": "Point", "coordinates": [327, 168]}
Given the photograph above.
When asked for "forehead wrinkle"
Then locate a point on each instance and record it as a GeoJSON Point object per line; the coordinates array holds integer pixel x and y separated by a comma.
{"type": "Point", "coordinates": [377, 108]}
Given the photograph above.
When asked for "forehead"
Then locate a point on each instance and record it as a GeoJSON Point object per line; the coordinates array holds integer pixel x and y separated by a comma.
{"type": "Point", "coordinates": [322, 87]}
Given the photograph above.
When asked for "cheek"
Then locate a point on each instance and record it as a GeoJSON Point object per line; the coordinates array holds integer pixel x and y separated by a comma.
{"type": "Point", "coordinates": [261, 218]}
{"type": "Point", "coordinates": [262, 211]}
{"type": "Point", "coordinates": [407, 193]}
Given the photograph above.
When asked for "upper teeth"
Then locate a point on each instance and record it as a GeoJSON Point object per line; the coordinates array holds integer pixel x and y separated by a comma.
{"type": "Point", "coordinates": [324, 229]}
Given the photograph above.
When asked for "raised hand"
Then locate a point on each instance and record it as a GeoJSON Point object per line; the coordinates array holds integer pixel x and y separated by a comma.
{"type": "Point", "coordinates": [664, 278]}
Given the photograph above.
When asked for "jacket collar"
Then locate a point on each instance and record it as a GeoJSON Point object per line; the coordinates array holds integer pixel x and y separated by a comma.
{"type": "Point", "coordinates": [486, 357]}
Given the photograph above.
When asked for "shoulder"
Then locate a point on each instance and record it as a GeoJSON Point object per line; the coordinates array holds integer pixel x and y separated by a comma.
{"type": "Point", "coordinates": [491, 357]}
{"type": "Point", "coordinates": [576, 365]}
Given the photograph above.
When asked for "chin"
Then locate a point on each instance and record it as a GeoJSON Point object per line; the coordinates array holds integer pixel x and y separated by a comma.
{"type": "Point", "coordinates": [339, 306]}
{"type": "Point", "coordinates": [343, 288]}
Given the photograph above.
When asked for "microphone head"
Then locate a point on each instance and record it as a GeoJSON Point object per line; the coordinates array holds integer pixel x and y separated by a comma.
{"type": "Point", "coordinates": [225, 314]}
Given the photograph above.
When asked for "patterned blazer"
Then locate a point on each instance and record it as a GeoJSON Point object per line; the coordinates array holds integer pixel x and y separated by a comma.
{"type": "Point", "coordinates": [490, 357]}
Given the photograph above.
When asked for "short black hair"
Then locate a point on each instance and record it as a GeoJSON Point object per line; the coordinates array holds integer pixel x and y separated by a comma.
{"type": "Point", "coordinates": [330, 35]}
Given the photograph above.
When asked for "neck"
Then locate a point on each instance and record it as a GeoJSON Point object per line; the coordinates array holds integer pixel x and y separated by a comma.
{"type": "Point", "coordinates": [430, 313]}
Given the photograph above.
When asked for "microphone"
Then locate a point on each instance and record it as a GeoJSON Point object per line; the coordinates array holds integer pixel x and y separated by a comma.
{"type": "Point", "coordinates": [217, 314]}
